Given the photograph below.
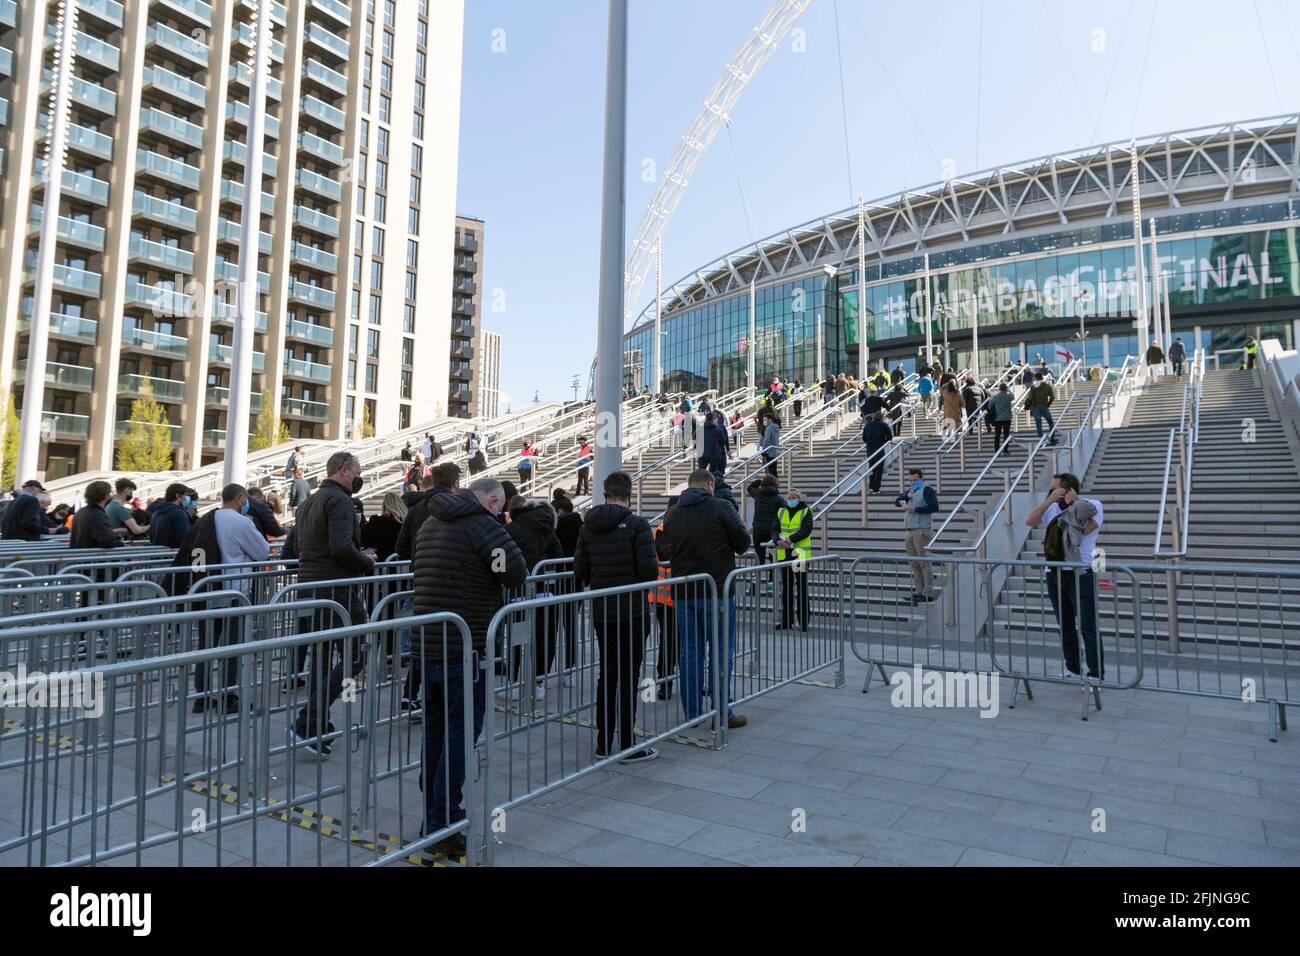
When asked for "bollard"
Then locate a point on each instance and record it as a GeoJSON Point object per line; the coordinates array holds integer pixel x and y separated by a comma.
{"type": "Point", "coordinates": [901, 477]}
{"type": "Point", "coordinates": [961, 453]}
{"type": "Point", "coordinates": [1006, 489]}
{"type": "Point", "coordinates": [1171, 608]}
{"type": "Point", "coordinates": [938, 474]}
{"type": "Point", "coordinates": [836, 484]}
{"type": "Point", "coordinates": [865, 498]}
{"type": "Point", "coordinates": [984, 538]}
{"type": "Point", "coordinates": [826, 541]}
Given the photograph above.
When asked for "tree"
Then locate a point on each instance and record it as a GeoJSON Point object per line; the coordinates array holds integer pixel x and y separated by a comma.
{"type": "Point", "coordinates": [366, 428]}
{"type": "Point", "coordinates": [270, 431]}
{"type": "Point", "coordinates": [8, 442]}
{"type": "Point", "coordinates": [147, 444]}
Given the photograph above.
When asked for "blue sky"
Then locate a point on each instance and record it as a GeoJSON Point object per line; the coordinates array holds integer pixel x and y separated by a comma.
{"type": "Point", "coordinates": [1055, 76]}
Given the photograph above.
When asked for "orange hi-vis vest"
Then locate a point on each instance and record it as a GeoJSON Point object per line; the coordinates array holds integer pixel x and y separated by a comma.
{"type": "Point", "coordinates": [662, 595]}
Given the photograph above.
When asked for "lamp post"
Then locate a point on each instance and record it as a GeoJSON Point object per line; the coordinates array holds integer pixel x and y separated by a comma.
{"type": "Point", "coordinates": [1081, 298]}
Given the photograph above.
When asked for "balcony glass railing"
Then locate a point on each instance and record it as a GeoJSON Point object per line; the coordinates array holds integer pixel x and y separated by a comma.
{"type": "Point", "coordinates": [109, 11]}
{"type": "Point", "coordinates": [237, 151]}
{"type": "Point", "coordinates": [310, 332]}
{"type": "Point", "coordinates": [235, 193]}
{"type": "Point", "coordinates": [175, 84]}
{"type": "Point", "coordinates": [69, 326]}
{"type": "Point", "coordinates": [222, 354]}
{"type": "Point", "coordinates": [85, 92]}
{"type": "Point", "coordinates": [224, 313]}
{"type": "Point", "coordinates": [83, 185]}
{"type": "Point", "coordinates": [70, 230]}
{"type": "Point", "coordinates": [240, 73]}
{"type": "Point", "coordinates": [160, 254]}
{"type": "Point", "coordinates": [238, 112]}
{"type": "Point", "coordinates": [229, 271]}
{"type": "Point", "coordinates": [196, 9]}
{"type": "Point", "coordinates": [335, 80]}
{"type": "Point", "coordinates": [177, 42]}
{"type": "Point", "coordinates": [4, 111]}
{"type": "Point", "coordinates": [70, 277]}
{"type": "Point", "coordinates": [337, 10]}
{"type": "Point", "coordinates": [6, 62]}
{"type": "Point", "coordinates": [324, 112]}
{"type": "Point", "coordinates": [64, 425]}
{"type": "Point", "coordinates": [315, 295]}
{"type": "Point", "coordinates": [92, 48]}
{"type": "Point", "coordinates": [121, 428]}
{"type": "Point", "coordinates": [323, 148]}
{"type": "Point", "coordinates": [322, 185]}
{"type": "Point", "coordinates": [85, 139]}
{"type": "Point", "coordinates": [164, 167]}
{"type": "Point", "coordinates": [160, 300]}
{"type": "Point", "coordinates": [171, 213]}
{"type": "Point", "coordinates": [9, 12]}
{"type": "Point", "coordinates": [172, 126]}
{"type": "Point", "coordinates": [336, 44]}
{"type": "Point", "coordinates": [301, 368]}
{"type": "Point", "coordinates": [152, 340]}
{"type": "Point", "coordinates": [316, 220]}
{"type": "Point", "coordinates": [60, 375]}
{"type": "Point", "coordinates": [214, 438]}
{"type": "Point", "coordinates": [234, 232]}
{"type": "Point", "coordinates": [219, 397]}
{"type": "Point", "coordinates": [319, 258]}
{"type": "Point", "coordinates": [244, 35]}
{"type": "Point", "coordinates": [164, 389]}
{"type": "Point", "coordinates": [301, 408]}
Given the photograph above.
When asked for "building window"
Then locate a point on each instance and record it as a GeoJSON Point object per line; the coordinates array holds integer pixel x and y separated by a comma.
{"type": "Point", "coordinates": [359, 234]}
{"type": "Point", "coordinates": [356, 303]}
{"type": "Point", "coordinates": [404, 416]}
{"type": "Point", "coordinates": [381, 207]}
{"type": "Point", "coordinates": [415, 189]}
{"type": "Point", "coordinates": [381, 174]}
{"type": "Point", "coordinates": [406, 383]}
{"type": "Point", "coordinates": [417, 157]}
{"type": "Point", "coordinates": [376, 275]}
{"type": "Point", "coordinates": [410, 287]}
{"type": "Point", "coordinates": [381, 142]}
{"type": "Point", "coordinates": [378, 243]}
{"type": "Point", "coordinates": [361, 198]}
{"type": "Point", "coordinates": [361, 167]}
{"type": "Point", "coordinates": [412, 254]}
{"type": "Point", "coordinates": [422, 33]}
{"type": "Point", "coordinates": [408, 319]}
{"type": "Point", "coordinates": [385, 108]}
{"type": "Point", "coordinates": [356, 269]}
{"type": "Point", "coordinates": [350, 406]}
{"type": "Point", "coordinates": [365, 133]}
{"type": "Point", "coordinates": [390, 12]}
{"type": "Point", "coordinates": [374, 309]}
{"type": "Point", "coordinates": [369, 61]}
{"type": "Point", "coordinates": [388, 53]}
{"type": "Point", "coordinates": [417, 126]}
{"type": "Point", "coordinates": [352, 338]}
{"type": "Point", "coordinates": [420, 61]}
{"type": "Point", "coordinates": [372, 377]}
{"type": "Point", "coordinates": [413, 220]}
{"type": "Point", "coordinates": [419, 95]}
{"type": "Point", "coordinates": [352, 373]}
{"type": "Point", "coordinates": [372, 344]}
{"type": "Point", "coordinates": [408, 351]}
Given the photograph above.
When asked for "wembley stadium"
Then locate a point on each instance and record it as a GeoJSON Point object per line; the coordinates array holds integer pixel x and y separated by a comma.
{"type": "Point", "coordinates": [1026, 259]}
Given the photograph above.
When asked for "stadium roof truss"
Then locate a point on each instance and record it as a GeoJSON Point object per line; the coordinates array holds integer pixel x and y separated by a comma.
{"type": "Point", "coordinates": [1208, 166]}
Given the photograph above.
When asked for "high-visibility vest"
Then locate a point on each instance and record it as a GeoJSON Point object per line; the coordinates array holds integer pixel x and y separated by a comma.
{"type": "Point", "coordinates": [790, 527]}
{"type": "Point", "coordinates": [662, 595]}
{"type": "Point", "coordinates": [1251, 347]}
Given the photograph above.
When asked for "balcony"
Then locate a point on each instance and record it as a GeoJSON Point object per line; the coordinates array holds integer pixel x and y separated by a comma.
{"type": "Point", "coordinates": [82, 185]}
{"type": "Point", "coordinates": [154, 342]}
{"type": "Point", "coordinates": [173, 127]}
{"type": "Point", "coordinates": [196, 10]}
{"type": "Point", "coordinates": [108, 12]}
{"type": "Point", "coordinates": [301, 368]}
{"type": "Point", "coordinates": [71, 279]}
{"type": "Point", "coordinates": [163, 211]}
{"type": "Point", "coordinates": [225, 313]}
{"type": "Point", "coordinates": [466, 264]}
{"type": "Point", "coordinates": [467, 241]}
{"type": "Point", "coordinates": [89, 48]}
{"type": "Point", "coordinates": [460, 394]}
{"type": "Point", "coordinates": [278, 11]}
{"type": "Point", "coordinates": [324, 112]}
{"type": "Point", "coordinates": [55, 425]}
{"type": "Point", "coordinates": [235, 152]}
{"type": "Point", "coordinates": [316, 221]}
{"type": "Point", "coordinates": [9, 13]}
{"type": "Point", "coordinates": [322, 74]}
{"type": "Point", "coordinates": [214, 438]}
{"type": "Point", "coordinates": [237, 111]}
{"type": "Point", "coordinates": [462, 374]}
{"type": "Point", "coordinates": [74, 377]}
{"type": "Point", "coordinates": [462, 305]}
{"type": "Point", "coordinates": [160, 255]}
{"type": "Point", "coordinates": [164, 389]}
{"type": "Point", "coordinates": [335, 9]}
{"type": "Point", "coordinates": [463, 351]}
{"type": "Point", "coordinates": [320, 148]}
{"type": "Point", "coordinates": [161, 300]}
{"type": "Point", "coordinates": [241, 74]}
{"type": "Point", "coordinates": [223, 354]}
{"type": "Point", "coordinates": [244, 36]}
{"type": "Point", "coordinates": [467, 286]}
{"type": "Point", "coordinates": [177, 43]}
{"type": "Point", "coordinates": [85, 93]}
{"type": "Point", "coordinates": [324, 38]}
{"type": "Point", "coordinates": [462, 329]}
{"type": "Point", "coordinates": [121, 428]}
{"type": "Point", "coordinates": [167, 169]}
{"type": "Point", "coordinates": [316, 258]}
{"type": "Point", "coordinates": [174, 85]}
{"type": "Point", "coordinates": [320, 185]}
{"type": "Point", "coordinates": [81, 138]}
{"type": "Point", "coordinates": [228, 231]}
{"type": "Point", "coordinates": [311, 294]}
{"type": "Point", "coordinates": [6, 62]}
{"type": "Point", "coordinates": [72, 231]}
{"type": "Point", "coordinates": [66, 326]}
{"type": "Point", "coordinates": [310, 332]}
{"type": "Point", "coordinates": [228, 271]}
{"type": "Point", "coordinates": [234, 192]}
{"type": "Point", "coordinates": [300, 408]}
{"type": "Point", "coordinates": [4, 111]}
{"type": "Point", "coordinates": [219, 397]}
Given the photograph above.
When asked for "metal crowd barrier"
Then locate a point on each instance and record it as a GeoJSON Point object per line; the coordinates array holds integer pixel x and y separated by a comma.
{"type": "Point", "coordinates": [35, 595]}
{"type": "Point", "coordinates": [130, 773]}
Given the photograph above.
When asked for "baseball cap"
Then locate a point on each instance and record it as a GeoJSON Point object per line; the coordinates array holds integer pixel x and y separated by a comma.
{"type": "Point", "coordinates": [34, 484]}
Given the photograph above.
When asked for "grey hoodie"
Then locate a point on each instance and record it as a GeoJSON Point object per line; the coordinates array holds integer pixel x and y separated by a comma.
{"type": "Point", "coordinates": [1076, 518]}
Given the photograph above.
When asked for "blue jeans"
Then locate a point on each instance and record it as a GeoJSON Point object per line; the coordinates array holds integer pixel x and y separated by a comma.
{"type": "Point", "coordinates": [693, 630]}
{"type": "Point", "coordinates": [1042, 412]}
{"type": "Point", "coordinates": [444, 741]}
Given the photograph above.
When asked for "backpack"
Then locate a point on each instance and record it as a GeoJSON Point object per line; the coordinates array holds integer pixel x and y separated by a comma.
{"type": "Point", "coordinates": [1054, 539]}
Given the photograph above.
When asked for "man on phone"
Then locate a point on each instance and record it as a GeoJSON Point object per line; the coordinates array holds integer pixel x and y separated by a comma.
{"type": "Point", "coordinates": [1073, 523]}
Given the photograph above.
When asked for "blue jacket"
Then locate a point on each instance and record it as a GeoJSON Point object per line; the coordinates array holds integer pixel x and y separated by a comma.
{"type": "Point", "coordinates": [715, 442]}
{"type": "Point", "coordinates": [168, 525]}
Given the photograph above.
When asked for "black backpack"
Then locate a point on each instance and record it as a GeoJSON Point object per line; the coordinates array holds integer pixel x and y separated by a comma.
{"type": "Point", "coordinates": [1054, 539]}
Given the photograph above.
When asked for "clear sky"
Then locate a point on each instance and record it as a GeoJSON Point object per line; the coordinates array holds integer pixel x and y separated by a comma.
{"type": "Point", "coordinates": [920, 89]}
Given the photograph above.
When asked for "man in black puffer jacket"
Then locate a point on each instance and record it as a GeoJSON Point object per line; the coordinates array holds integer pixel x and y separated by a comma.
{"type": "Point", "coordinates": [702, 535]}
{"type": "Point", "coordinates": [617, 547]}
{"type": "Point", "coordinates": [327, 543]}
{"type": "Point", "coordinates": [441, 478]}
{"type": "Point", "coordinates": [463, 560]}
{"type": "Point", "coordinates": [766, 494]}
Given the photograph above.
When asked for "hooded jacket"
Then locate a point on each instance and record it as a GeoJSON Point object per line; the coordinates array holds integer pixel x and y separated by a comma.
{"type": "Point", "coordinates": [715, 443]}
{"type": "Point", "coordinates": [703, 535]}
{"type": "Point", "coordinates": [168, 524]}
{"type": "Point", "coordinates": [417, 510]}
{"type": "Point", "coordinates": [463, 560]}
{"type": "Point", "coordinates": [568, 527]}
{"type": "Point", "coordinates": [615, 547]}
{"type": "Point", "coordinates": [876, 436]}
{"type": "Point", "coordinates": [767, 501]}
{"type": "Point", "coordinates": [327, 536]}
{"type": "Point", "coordinates": [532, 526]}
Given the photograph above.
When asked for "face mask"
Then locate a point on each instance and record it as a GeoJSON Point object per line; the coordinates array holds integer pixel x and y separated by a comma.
{"type": "Point", "coordinates": [357, 484]}
{"type": "Point", "coordinates": [243, 509]}
{"type": "Point", "coordinates": [187, 501]}
{"type": "Point", "coordinates": [918, 484]}
{"type": "Point", "coordinates": [792, 502]}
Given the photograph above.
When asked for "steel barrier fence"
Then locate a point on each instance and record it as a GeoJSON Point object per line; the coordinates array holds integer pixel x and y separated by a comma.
{"type": "Point", "coordinates": [140, 779]}
{"type": "Point", "coordinates": [34, 595]}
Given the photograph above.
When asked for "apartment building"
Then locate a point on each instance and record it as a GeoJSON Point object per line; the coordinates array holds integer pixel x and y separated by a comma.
{"type": "Point", "coordinates": [359, 167]}
{"type": "Point", "coordinates": [487, 387]}
{"type": "Point", "coordinates": [466, 317]}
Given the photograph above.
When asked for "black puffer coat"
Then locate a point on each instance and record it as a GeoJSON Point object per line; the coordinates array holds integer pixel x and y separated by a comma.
{"type": "Point", "coordinates": [327, 536]}
{"type": "Point", "coordinates": [703, 536]}
{"type": "Point", "coordinates": [463, 559]}
{"type": "Point", "coordinates": [616, 547]}
{"type": "Point", "coordinates": [568, 527]}
{"type": "Point", "coordinates": [532, 527]}
{"type": "Point", "coordinates": [417, 505]}
{"type": "Point", "coordinates": [766, 503]}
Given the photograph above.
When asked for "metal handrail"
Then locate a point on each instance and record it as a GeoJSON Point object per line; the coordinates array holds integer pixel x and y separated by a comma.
{"type": "Point", "coordinates": [1009, 375]}
{"type": "Point", "coordinates": [910, 409]}
{"type": "Point", "coordinates": [786, 451]}
{"type": "Point", "coordinates": [1185, 436]}
{"type": "Point", "coordinates": [821, 507]}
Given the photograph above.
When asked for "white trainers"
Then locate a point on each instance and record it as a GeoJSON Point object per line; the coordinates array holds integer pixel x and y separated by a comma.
{"type": "Point", "coordinates": [566, 680]}
{"type": "Point", "coordinates": [539, 692]}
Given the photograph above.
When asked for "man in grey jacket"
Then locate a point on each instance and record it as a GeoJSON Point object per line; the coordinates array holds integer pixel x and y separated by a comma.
{"type": "Point", "coordinates": [1003, 411]}
{"type": "Point", "coordinates": [770, 442]}
{"type": "Point", "coordinates": [920, 502]}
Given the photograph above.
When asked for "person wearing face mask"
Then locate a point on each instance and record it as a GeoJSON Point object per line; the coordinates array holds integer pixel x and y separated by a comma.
{"type": "Point", "coordinates": [792, 536]}
{"type": "Point", "coordinates": [169, 520]}
{"type": "Point", "coordinates": [329, 550]}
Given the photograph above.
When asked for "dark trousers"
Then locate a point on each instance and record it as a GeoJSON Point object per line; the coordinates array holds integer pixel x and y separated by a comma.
{"type": "Point", "coordinates": [546, 622]}
{"type": "Point", "coordinates": [525, 478]}
{"type": "Point", "coordinates": [622, 652]}
{"type": "Point", "coordinates": [771, 466]}
{"type": "Point", "coordinates": [794, 588]}
{"type": "Point", "coordinates": [669, 649]}
{"type": "Point", "coordinates": [877, 475]}
{"type": "Point", "coordinates": [1250, 361]}
{"type": "Point", "coordinates": [331, 662]}
{"type": "Point", "coordinates": [223, 631]}
{"type": "Point", "coordinates": [760, 545]}
{"type": "Point", "coordinates": [584, 482]}
{"type": "Point", "coordinates": [444, 741]}
{"type": "Point", "coordinates": [1001, 432]}
{"type": "Point", "coordinates": [1178, 367]}
{"type": "Point", "coordinates": [1074, 599]}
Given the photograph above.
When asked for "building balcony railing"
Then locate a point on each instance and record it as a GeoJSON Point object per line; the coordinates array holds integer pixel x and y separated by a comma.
{"type": "Point", "coordinates": [244, 36]}
{"type": "Point", "coordinates": [320, 185]}
{"type": "Point", "coordinates": [121, 428]}
{"type": "Point", "coordinates": [238, 111]}
{"type": "Point", "coordinates": [463, 351]}
{"type": "Point", "coordinates": [466, 264]}
{"type": "Point", "coordinates": [82, 185]}
{"type": "Point", "coordinates": [310, 332]}
{"type": "Point", "coordinates": [240, 73]}
{"type": "Point", "coordinates": [322, 74]}
{"type": "Point", "coordinates": [72, 279]}
{"type": "Point", "coordinates": [85, 93]}
{"type": "Point", "coordinates": [164, 389]}
{"type": "Point", "coordinates": [462, 305]}
{"type": "Point", "coordinates": [64, 425]}
{"type": "Point", "coordinates": [166, 168]}
{"type": "Point", "coordinates": [233, 232]}
{"type": "Point", "coordinates": [229, 271]}
{"type": "Point", "coordinates": [173, 127]}
{"type": "Point", "coordinates": [224, 313]}
{"type": "Point", "coordinates": [178, 43]}
{"type": "Point", "coordinates": [462, 374]}
{"type": "Point", "coordinates": [335, 44]}
{"type": "Point", "coordinates": [468, 242]}
{"type": "Point", "coordinates": [161, 300]}
{"type": "Point", "coordinates": [335, 9]}
{"type": "Point", "coordinates": [164, 211]}
{"type": "Point", "coordinates": [301, 368]}
{"type": "Point", "coordinates": [316, 258]}
{"type": "Point", "coordinates": [173, 84]}
{"type": "Point", "coordinates": [234, 192]}
{"type": "Point", "coordinates": [467, 286]}
{"type": "Point", "coordinates": [67, 326]}
{"type": "Point", "coordinates": [106, 11]}
{"type": "Point", "coordinates": [321, 148]}
{"type": "Point", "coordinates": [9, 13]}
{"type": "Point", "coordinates": [324, 112]}
{"type": "Point", "coordinates": [462, 329]}
{"type": "Point", "coordinates": [60, 375]}
{"type": "Point", "coordinates": [155, 342]}
{"type": "Point", "coordinates": [311, 294]}
{"type": "Point", "coordinates": [196, 10]}
{"type": "Point", "coordinates": [6, 62]}
{"type": "Point", "coordinates": [88, 47]}
{"type": "Point", "coordinates": [160, 254]}
{"type": "Point", "coordinates": [235, 152]}
{"type": "Point", "coordinates": [218, 396]}
{"type": "Point", "coordinates": [223, 354]}
{"type": "Point", "coordinates": [301, 408]}
{"type": "Point", "coordinates": [72, 231]}
{"type": "Point", "coordinates": [278, 11]}
{"type": "Point", "coordinates": [316, 220]}
{"type": "Point", "coordinates": [214, 438]}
